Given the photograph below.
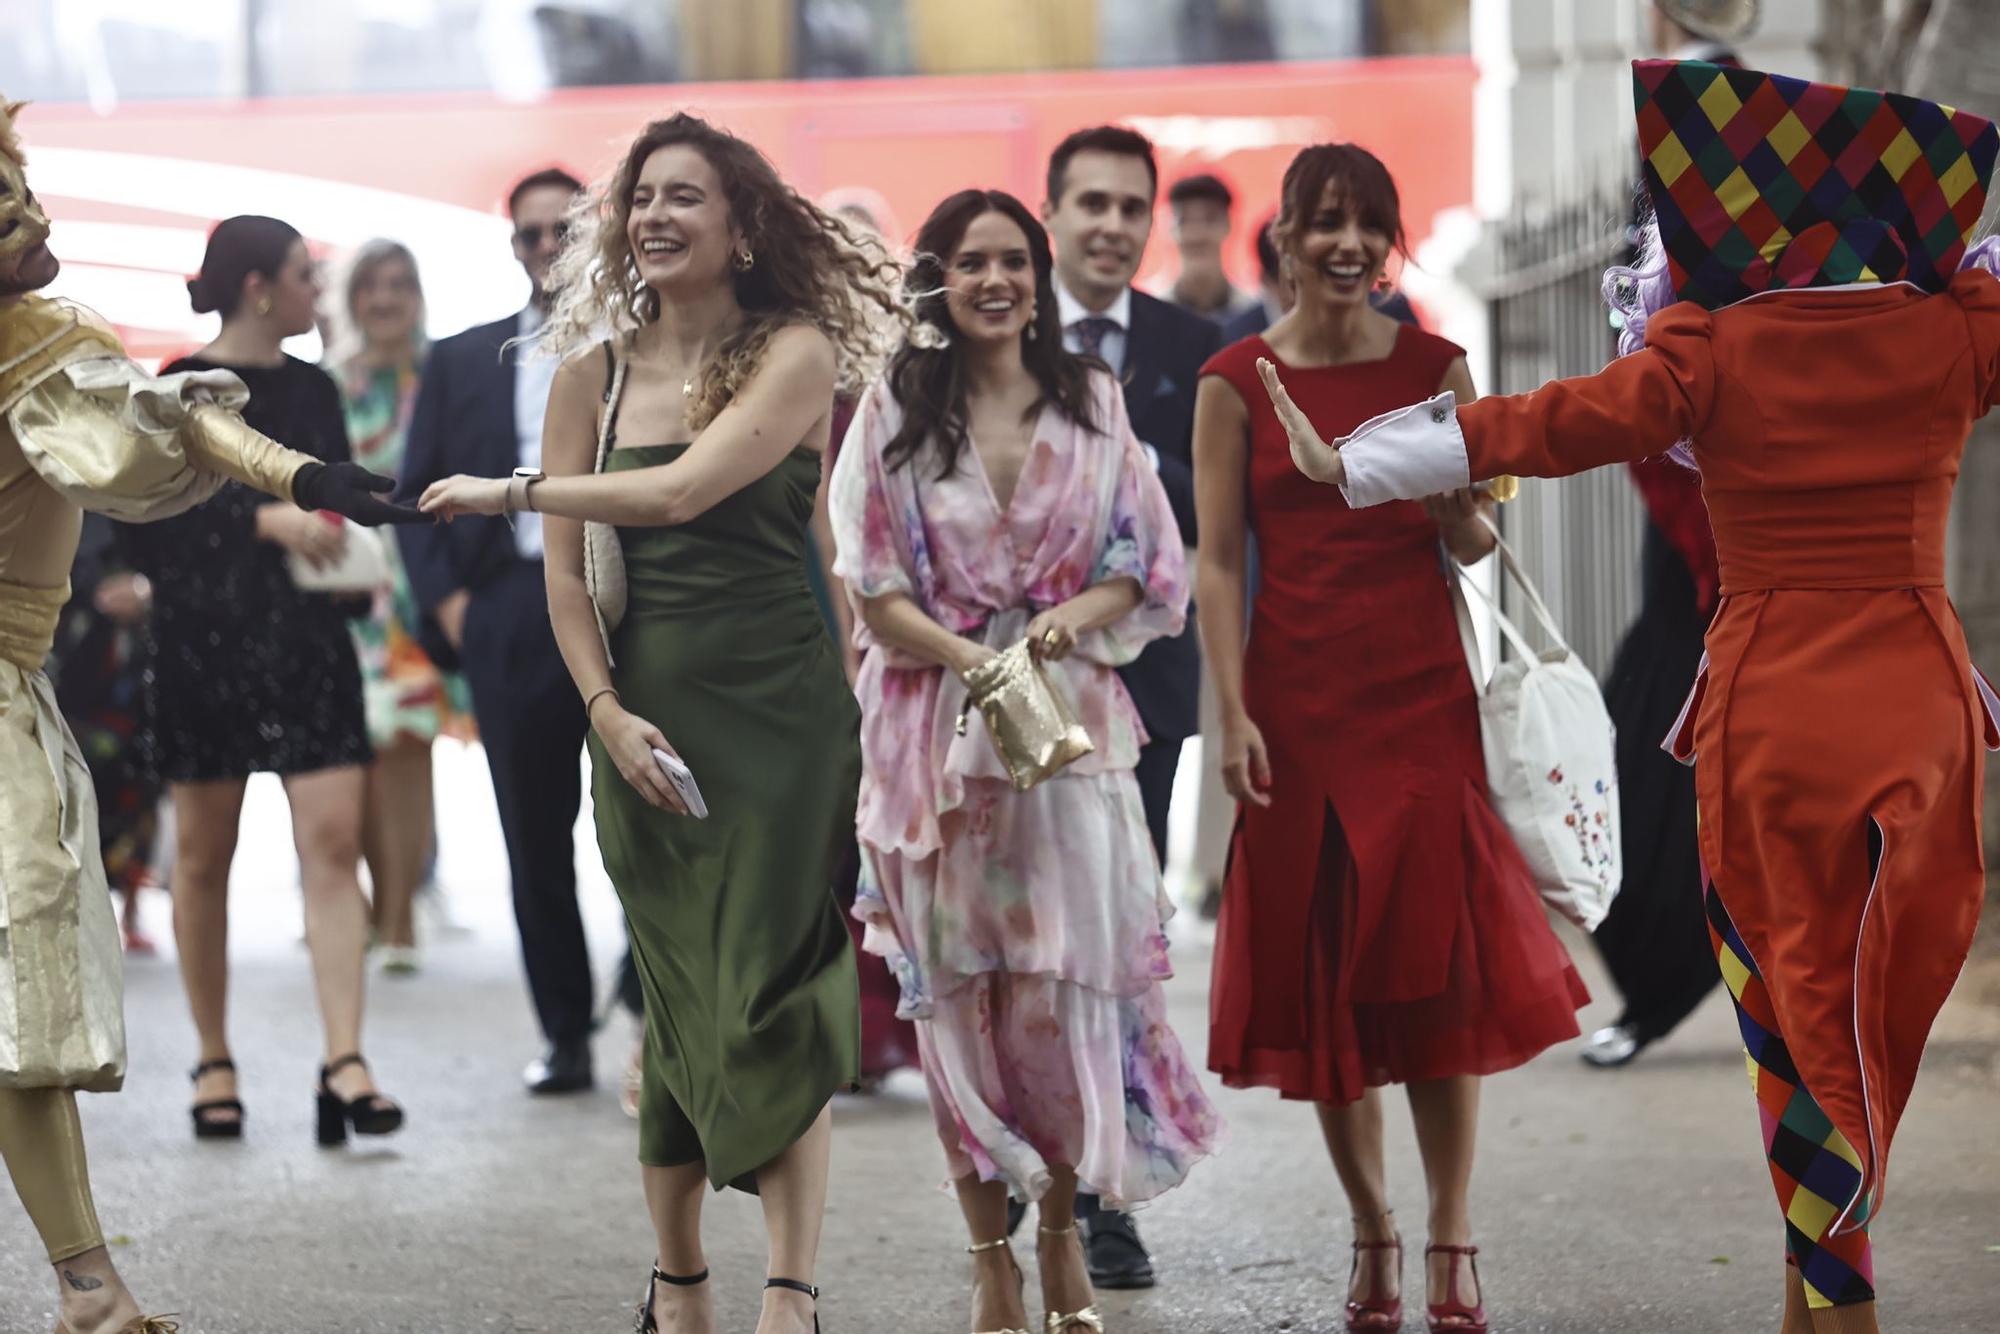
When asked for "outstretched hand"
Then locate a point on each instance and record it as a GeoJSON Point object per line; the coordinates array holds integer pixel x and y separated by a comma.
{"type": "Point", "coordinates": [1316, 458]}
{"type": "Point", "coordinates": [449, 497]}
{"type": "Point", "coordinates": [350, 490]}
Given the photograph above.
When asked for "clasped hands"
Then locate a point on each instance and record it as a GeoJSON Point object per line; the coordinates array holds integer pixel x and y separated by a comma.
{"type": "Point", "coordinates": [1051, 635]}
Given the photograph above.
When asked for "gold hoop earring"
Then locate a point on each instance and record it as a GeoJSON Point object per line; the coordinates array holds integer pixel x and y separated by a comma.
{"type": "Point", "coordinates": [746, 261]}
{"type": "Point", "coordinates": [263, 305]}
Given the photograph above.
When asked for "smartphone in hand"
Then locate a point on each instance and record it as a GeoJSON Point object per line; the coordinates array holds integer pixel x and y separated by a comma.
{"type": "Point", "coordinates": [683, 782]}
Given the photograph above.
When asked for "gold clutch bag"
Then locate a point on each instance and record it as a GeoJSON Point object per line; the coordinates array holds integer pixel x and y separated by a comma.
{"type": "Point", "coordinates": [1027, 717]}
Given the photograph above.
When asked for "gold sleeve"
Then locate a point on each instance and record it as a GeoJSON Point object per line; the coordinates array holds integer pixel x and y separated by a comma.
{"type": "Point", "coordinates": [137, 447]}
{"type": "Point", "coordinates": [219, 441]}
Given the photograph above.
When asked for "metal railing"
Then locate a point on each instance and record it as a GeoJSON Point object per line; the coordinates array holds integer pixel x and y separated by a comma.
{"type": "Point", "coordinates": [1579, 537]}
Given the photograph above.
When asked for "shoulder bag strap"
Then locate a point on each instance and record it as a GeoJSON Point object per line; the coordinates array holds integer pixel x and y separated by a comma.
{"type": "Point", "coordinates": [1527, 586]}
{"type": "Point", "coordinates": [614, 389]}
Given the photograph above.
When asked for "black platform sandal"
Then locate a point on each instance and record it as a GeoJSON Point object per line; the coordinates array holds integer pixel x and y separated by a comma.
{"type": "Point", "coordinates": [643, 1322]}
{"type": "Point", "coordinates": [207, 1124]}
{"type": "Point", "coordinates": [793, 1285]}
{"type": "Point", "coordinates": [369, 1114]}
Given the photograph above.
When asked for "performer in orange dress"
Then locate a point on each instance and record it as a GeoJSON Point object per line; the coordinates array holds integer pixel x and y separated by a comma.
{"type": "Point", "coordinates": [1832, 343]}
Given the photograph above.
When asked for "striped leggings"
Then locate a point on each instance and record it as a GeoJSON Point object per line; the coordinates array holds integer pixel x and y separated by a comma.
{"type": "Point", "coordinates": [1816, 1171]}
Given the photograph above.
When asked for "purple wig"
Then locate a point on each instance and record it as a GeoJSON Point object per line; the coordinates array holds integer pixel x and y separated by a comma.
{"type": "Point", "coordinates": [1635, 293]}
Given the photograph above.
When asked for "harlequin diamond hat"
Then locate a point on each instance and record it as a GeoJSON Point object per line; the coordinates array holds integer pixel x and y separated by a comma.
{"type": "Point", "coordinates": [1760, 181]}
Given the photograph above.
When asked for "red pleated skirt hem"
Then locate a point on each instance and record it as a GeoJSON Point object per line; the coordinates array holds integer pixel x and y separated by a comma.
{"type": "Point", "coordinates": [1507, 990]}
{"type": "Point", "coordinates": [1338, 1075]}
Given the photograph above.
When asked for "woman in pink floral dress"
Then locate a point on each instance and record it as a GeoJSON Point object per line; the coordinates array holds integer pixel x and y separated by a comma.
{"type": "Point", "coordinates": [990, 489]}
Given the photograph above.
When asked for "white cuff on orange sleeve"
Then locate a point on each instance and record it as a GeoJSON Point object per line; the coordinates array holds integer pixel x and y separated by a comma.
{"type": "Point", "coordinates": [1406, 454]}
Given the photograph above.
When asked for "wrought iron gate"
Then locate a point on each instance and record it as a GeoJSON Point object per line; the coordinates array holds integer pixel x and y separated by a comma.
{"type": "Point", "coordinates": [1579, 537]}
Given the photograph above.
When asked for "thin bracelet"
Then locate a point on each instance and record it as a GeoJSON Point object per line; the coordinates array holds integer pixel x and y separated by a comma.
{"type": "Point", "coordinates": [598, 694]}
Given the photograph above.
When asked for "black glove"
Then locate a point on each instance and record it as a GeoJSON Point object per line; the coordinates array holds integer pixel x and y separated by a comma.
{"type": "Point", "coordinates": [351, 490]}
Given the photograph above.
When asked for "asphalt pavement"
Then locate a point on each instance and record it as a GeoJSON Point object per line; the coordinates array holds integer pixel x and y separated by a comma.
{"type": "Point", "coordinates": [1628, 1201]}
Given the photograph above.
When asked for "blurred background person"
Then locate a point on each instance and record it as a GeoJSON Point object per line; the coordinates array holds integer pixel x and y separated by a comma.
{"type": "Point", "coordinates": [1202, 208]}
{"type": "Point", "coordinates": [1102, 185]}
{"type": "Point", "coordinates": [992, 488]}
{"type": "Point", "coordinates": [408, 699]}
{"type": "Point", "coordinates": [1378, 925]}
{"type": "Point", "coordinates": [1701, 29]}
{"type": "Point", "coordinates": [1655, 941]}
{"type": "Point", "coordinates": [865, 207]}
{"type": "Point", "coordinates": [1275, 290]}
{"type": "Point", "coordinates": [479, 410]}
{"type": "Point", "coordinates": [245, 674]}
{"type": "Point", "coordinates": [98, 665]}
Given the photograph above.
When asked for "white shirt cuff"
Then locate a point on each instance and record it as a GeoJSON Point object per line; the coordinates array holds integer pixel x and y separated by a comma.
{"type": "Point", "coordinates": [1406, 454]}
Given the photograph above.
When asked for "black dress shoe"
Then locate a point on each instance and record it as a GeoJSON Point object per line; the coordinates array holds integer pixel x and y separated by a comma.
{"type": "Point", "coordinates": [564, 1068]}
{"type": "Point", "coordinates": [1116, 1257]}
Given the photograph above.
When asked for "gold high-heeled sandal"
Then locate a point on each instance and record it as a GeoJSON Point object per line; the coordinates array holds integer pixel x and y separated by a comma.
{"type": "Point", "coordinates": [1088, 1318]}
{"type": "Point", "coordinates": [1020, 1279]}
{"type": "Point", "coordinates": [145, 1324]}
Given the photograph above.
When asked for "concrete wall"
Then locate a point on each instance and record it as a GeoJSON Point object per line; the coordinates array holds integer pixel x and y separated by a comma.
{"type": "Point", "coordinates": [1555, 94]}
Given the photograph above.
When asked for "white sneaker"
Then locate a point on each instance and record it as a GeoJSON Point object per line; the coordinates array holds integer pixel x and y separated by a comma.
{"type": "Point", "coordinates": [399, 960]}
{"type": "Point", "coordinates": [1610, 1047]}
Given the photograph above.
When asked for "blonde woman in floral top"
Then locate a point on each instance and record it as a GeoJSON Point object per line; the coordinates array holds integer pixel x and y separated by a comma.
{"type": "Point", "coordinates": [409, 699]}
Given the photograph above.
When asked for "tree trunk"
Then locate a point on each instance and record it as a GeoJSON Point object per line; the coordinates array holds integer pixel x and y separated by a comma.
{"type": "Point", "coordinates": [1957, 61]}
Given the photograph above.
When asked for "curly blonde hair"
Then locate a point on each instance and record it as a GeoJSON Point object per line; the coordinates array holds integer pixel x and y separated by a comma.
{"type": "Point", "coordinates": [809, 268]}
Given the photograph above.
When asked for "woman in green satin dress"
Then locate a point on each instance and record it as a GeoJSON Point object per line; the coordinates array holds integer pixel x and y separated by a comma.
{"type": "Point", "coordinates": [736, 307]}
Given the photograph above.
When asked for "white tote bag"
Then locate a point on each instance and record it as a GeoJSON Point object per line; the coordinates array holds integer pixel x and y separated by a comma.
{"type": "Point", "coordinates": [1551, 767]}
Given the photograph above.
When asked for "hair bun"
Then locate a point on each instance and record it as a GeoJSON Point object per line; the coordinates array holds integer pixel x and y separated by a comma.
{"type": "Point", "coordinates": [198, 296]}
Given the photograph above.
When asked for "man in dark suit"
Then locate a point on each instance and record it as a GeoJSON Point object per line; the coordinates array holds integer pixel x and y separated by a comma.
{"type": "Point", "coordinates": [1102, 184]}
{"type": "Point", "coordinates": [479, 412]}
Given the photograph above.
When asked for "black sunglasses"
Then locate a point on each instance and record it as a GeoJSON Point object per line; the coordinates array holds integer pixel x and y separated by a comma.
{"type": "Point", "coordinates": [531, 235]}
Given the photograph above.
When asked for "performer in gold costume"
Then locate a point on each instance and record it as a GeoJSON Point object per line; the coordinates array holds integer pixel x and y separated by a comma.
{"type": "Point", "coordinates": [83, 427]}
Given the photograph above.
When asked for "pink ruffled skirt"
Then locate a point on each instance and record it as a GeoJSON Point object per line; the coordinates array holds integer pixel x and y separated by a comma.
{"type": "Point", "coordinates": [1029, 950]}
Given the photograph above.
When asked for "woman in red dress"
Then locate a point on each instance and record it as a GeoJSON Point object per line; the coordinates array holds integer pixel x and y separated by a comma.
{"type": "Point", "coordinates": [1378, 925]}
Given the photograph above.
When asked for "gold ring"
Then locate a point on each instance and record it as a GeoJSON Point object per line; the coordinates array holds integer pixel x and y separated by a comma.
{"type": "Point", "coordinates": [1049, 637]}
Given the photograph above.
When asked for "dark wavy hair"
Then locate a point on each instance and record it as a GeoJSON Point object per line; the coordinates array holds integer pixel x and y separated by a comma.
{"type": "Point", "coordinates": [238, 247]}
{"type": "Point", "coordinates": [929, 382]}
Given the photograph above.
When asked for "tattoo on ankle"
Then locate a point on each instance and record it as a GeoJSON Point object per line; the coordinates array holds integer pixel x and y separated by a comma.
{"type": "Point", "coordinates": [81, 1282]}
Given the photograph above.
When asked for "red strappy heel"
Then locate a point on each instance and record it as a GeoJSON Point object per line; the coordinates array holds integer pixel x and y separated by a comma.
{"type": "Point", "coordinates": [1466, 1319]}
{"type": "Point", "coordinates": [1375, 1312]}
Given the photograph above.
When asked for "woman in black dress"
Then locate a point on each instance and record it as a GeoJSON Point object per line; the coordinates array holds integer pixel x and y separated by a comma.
{"type": "Point", "coordinates": [246, 674]}
{"type": "Point", "coordinates": [1655, 939]}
